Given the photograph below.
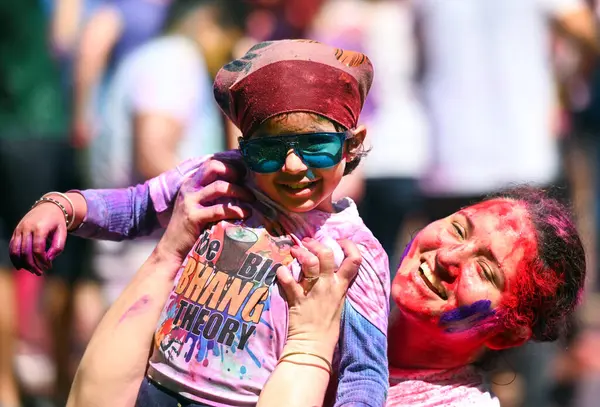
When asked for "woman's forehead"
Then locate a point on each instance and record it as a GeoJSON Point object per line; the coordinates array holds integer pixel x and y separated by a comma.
{"type": "Point", "coordinates": [506, 227]}
{"type": "Point", "coordinates": [503, 215]}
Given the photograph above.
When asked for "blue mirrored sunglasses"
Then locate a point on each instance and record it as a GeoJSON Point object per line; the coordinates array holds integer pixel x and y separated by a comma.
{"type": "Point", "coordinates": [316, 150]}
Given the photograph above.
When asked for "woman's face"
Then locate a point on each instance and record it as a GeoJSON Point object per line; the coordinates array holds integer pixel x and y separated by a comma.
{"type": "Point", "coordinates": [470, 256]}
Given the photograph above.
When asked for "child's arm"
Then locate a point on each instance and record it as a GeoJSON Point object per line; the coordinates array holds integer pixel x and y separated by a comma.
{"type": "Point", "coordinates": [128, 213]}
{"type": "Point", "coordinates": [363, 366]}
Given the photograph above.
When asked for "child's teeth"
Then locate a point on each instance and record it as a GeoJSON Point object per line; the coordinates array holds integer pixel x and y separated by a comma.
{"type": "Point", "coordinates": [297, 186]}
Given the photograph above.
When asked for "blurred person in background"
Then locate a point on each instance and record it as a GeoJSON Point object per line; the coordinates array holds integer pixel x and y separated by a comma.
{"type": "Point", "coordinates": [112, 31]}
{"type": "Point", "coordinates": [387, 184]}
{"type": "Point", "coordinates": [159, 111]}
{"type": "Point", "coordinates": [35, 157]}
{"type": "Point", "coordinates": [490, 96]}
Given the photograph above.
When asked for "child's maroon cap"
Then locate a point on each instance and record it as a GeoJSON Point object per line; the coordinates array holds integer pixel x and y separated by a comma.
{"type": "Point", "coordinates": [293, 76]}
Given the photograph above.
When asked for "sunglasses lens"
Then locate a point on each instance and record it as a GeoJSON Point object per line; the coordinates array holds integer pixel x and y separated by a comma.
{"type": "Point", "coordinates": [321, 150]}
{"type": "Point", "coordinates": [264, 156]}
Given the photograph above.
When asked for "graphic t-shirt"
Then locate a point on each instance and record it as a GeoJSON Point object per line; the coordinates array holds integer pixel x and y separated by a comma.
{"type": "Point", "coordinates": [224, 326]}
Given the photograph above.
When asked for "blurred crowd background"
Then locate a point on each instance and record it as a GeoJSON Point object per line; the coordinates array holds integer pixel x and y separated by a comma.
{"type": "Point", "coordinates": [469, 96]}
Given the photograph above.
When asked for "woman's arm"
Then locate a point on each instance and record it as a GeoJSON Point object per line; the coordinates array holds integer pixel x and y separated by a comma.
{"type": "Point", "coordinates": [114, 363]}
{"type": "Point", "coordinates": [302, 375]}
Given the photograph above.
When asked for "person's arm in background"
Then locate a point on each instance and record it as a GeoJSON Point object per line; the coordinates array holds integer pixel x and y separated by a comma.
{"type": "Point", "coordinates": [65, 25]}
{"type": "Point", "coordinates": [165, 97]}
{"type": "Point", "coordinates": [99, 36]}
{"type": "Point", "coordinates": [575, 20]}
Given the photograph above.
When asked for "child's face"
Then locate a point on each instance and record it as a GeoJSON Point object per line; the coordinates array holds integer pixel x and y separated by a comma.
{"type": "Point", "coordinates": [295, 186]}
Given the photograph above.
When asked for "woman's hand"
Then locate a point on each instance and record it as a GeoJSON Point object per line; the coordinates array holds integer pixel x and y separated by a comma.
{"type": "Point", "coordinates": [200, 202]}
{"type": "Point", "coordinates": [315, 307]}
{"type": "Point", "coordinates": [316, 301]}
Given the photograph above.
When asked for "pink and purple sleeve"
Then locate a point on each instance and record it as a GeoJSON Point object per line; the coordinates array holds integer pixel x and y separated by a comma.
{"type": "Point", "coordinates": [129, 213]}
{"type": "Point", "coordinates": [363, 365]}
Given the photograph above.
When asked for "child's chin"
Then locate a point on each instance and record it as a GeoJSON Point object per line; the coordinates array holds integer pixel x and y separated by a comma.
{"type": "Point", "coordinates": [305, 206]}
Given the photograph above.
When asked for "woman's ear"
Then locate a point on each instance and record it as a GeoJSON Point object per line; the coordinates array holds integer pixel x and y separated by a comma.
{"type": "Point", "coordinates": [509, 339]}
{"type": "Point", "coordinates": [354, 144]}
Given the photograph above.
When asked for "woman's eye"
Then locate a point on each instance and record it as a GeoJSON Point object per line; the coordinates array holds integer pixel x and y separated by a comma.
{"type": "Point", "coordinates": [460, 231]}
{"type": "Point", "coordinates": [487, 273]}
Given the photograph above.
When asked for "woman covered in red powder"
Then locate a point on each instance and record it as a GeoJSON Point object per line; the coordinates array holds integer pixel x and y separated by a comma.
{"type": "Point", "coordinates": [491, 276]}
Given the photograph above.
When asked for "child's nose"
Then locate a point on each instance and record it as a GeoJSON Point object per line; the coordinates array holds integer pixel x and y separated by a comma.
{"type": "Point", "coordinates": [293, 164]}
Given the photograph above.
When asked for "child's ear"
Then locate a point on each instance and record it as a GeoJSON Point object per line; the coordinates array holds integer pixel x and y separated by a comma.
{"type": "Point", "coordinates": [354, 144]}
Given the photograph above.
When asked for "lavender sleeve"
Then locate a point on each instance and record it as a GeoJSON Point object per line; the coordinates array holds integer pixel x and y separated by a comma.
{"type": "Point", "coordinates": [128, 213]}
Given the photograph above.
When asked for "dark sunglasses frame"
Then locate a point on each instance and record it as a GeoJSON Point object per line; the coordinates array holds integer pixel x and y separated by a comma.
{"type": "Point", "coordinates": [292, 142]}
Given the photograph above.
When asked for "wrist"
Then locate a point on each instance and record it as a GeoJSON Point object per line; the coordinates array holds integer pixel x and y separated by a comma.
{"type": "Point", "coordinates": [77, 212]}
{"type": "Point", "coordinates": [162, 255]}
{"type": "Point", "coordinates": [324, 349]}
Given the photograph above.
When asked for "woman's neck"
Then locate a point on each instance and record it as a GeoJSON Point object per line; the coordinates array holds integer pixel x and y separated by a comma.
{"type": "Point", "coordinates": [414, 344]}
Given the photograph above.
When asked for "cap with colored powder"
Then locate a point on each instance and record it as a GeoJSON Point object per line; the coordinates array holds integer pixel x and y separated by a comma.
{"type": "Point", "coordinates": [288, 76]}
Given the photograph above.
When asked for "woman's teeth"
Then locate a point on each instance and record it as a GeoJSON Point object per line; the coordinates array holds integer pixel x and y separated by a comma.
{"type": "Point", "coordinates": [432, 282]}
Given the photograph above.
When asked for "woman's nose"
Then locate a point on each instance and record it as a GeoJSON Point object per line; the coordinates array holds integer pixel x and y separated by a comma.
{"type": "Point", "coordinates": [449, 260]}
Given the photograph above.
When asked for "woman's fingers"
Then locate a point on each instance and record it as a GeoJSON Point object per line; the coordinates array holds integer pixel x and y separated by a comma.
{"type": "Point", "coordinates": [222, 189]}
{"type": "Point", "coordinates": [325, 257]}
{"type": "Point", "coordinates": [218, 212]}
{"type": "Point", "coordinates": [352, 261]}
{"type": "Point", "coordinates": [310, 264]}
{"type": "Point", "coordinates": [214, 170]}
{"type": "Point", "coordinates": [290, 287]}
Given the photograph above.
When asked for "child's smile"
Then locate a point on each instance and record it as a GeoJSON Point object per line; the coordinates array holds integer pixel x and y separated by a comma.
{"type": "Point", "coordinates": [296, 186]}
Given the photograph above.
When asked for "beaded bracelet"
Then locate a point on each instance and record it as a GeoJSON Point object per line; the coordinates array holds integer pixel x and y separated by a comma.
{"type": "Point", "coordinates": [66, 198]}
{"type": "Point", "coordinates": [281, 359]}
{"type": "Point", "coordinates": [57, 203]}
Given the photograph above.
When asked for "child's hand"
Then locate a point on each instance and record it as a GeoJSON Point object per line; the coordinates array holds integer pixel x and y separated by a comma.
{"type": "Point", "coordinates": [316, 301]}
{"type": "Point", "coordinates": [29, 249]}
{"type": "Point", "coordinates": [28, 244]}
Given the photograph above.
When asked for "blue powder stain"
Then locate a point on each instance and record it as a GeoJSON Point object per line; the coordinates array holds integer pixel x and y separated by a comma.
{"type": "Point", "coordinates": [464, 317]}
{"type": "Point", "coordinates": [202, 349]}
{"type": "Point", "coordinates": [215, 349]}
{"type": "Point", "coordinates": [243, 370]}
{"type": "Point", "coordinates": [253, 356]}
{"type": "Point", "coordinates": [405, 252]}
{"type": "Point", "coordinates": [211, 345]}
